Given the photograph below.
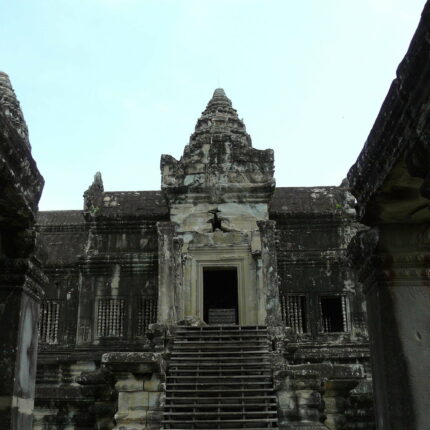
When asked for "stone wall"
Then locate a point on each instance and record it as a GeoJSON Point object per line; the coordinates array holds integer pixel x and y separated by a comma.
{"type": "Point", "coordinates": [103, 270]}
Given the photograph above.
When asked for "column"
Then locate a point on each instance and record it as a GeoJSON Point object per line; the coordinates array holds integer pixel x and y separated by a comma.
{"type": "Point", "coordinates": [167, 279]}
{"type": "Point", "coordinates": [270, 272]}
{"type": "Point", "coordinates": [20, 294]}
{"type": "Point", "coordinates": [393, 262]}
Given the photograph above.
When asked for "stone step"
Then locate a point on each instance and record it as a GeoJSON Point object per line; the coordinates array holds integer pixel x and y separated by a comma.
{"type": "Point", "coordinates": [244, 390]}
{"type": "Point", "coordinates": [176, 354]}
{"type": "Point", "coordinates": [208, 346]}
{"type": "Point", "coordinates": [181, 341]}
{"type": "Point", "coordinates": [217, 377]}
{"type": "Point", "coordinates": [264, 397]}
{"type": "Point", "coordinates": [221, 334]}
{"type": "Point", "coordinates": [255, 356]}
{"type": "Point", "coordinates": [266, 414]}
{"type": "Point", "coordinates": [229, 327]}
{"type": "Point", "coordinates": [220, 370]}
{"type": "Point", "coordinates": [230, 428]}
{"type": "Point", "coordinates": [208, 386]}
{"type": "Point", "coordinates": [222, 405]}
{"type": "Point", "coordinates": [257, 366]}
{"type": "Point", "coordinates": [197, 421]}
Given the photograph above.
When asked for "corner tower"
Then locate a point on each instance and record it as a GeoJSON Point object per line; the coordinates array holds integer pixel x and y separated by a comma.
{"type": "Point", "coordinates": [221, 264]}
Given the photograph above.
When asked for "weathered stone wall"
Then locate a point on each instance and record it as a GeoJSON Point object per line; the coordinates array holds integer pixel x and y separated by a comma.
{"type": "Point", "coordinates": [103, 269]}
{"type": "Point", "coordinates": [111, 262]}
{"type": "Point", "coordinates": [314, 228]}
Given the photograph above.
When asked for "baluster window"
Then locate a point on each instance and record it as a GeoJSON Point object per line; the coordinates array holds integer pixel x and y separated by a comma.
{"type": "Point", "coordinates": [49, 320]}
{"type": "Point", "coordinates": [294, 312]}
{"type": "Point", "coordinates": [111, 317]}
{"type": "Point", "coordinates": [146, 314]}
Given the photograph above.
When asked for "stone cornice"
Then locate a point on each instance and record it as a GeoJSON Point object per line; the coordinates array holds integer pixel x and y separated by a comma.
{"type": "Point", "coordinates": [401, 126]}
{"type": "Point", "coordinates": [23, 273]}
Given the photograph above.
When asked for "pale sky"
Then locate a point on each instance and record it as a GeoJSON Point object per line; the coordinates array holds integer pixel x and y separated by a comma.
{"type": "Point", "coordinates": [110, 85]}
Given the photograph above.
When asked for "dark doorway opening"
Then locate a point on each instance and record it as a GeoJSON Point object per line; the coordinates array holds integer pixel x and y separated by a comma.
{"type": "Point", "coordinates": [220, 303]}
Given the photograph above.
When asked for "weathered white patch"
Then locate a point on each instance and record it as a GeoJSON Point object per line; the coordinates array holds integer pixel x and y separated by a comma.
{"type": "Point", "coordinates": [348, 286]}
{"type": "Point", "coordinates": [24, 406]}
{"type": "Point", "coordinates": [114, 284]}
{"type": "Point", "coordinates": [25, 350]}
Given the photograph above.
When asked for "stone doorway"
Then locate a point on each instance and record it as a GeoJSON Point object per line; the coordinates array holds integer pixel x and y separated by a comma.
{"type": "Point", "coordinates": [220, 295]}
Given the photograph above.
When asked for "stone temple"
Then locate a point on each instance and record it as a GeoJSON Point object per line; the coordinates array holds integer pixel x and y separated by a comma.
{"type": "Point", "coordinates": [222, 301]}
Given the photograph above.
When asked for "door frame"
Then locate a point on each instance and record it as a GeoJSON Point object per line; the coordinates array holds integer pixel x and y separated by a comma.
{"type": "Point", "coordinates": [238, 257]}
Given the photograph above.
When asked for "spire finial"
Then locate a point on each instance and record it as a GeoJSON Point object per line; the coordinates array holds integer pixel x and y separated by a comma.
{"type": "Point", "coordinates": [93, 196]}
{"type": "Point", "coordinates": [219, 99]}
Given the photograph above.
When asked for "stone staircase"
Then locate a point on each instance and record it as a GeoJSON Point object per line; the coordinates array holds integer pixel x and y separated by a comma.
{"type": "Point", "coordinates": [219, 377]}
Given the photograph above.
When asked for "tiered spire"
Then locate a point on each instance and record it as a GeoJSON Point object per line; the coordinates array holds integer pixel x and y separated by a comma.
{"type": "Point", "coordinates": [10, 107]}
{"type": "Point", "coordinates": [219, 117]}
{"type": "Point", "coordinates": [219, 163]}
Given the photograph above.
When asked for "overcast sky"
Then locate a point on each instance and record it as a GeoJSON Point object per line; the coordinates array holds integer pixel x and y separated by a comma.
{"type": "Point", "coordinates": [110, 85]}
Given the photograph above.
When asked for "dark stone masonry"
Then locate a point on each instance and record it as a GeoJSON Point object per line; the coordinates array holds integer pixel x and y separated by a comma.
{"type": "Point", "coordinates": [222, 301]}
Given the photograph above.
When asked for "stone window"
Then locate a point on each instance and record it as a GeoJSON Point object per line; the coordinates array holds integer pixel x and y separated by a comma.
{"type": "Point", "coordinates": [294, 312]}
{"type": "Point", "coordinates": [334, 315]}
{"type": "Point", "coordinates": [146, 313]}
{"type": "Point", "coordinates": [48, 322]}
{"type": "Point", "coordinates": [111, 317]}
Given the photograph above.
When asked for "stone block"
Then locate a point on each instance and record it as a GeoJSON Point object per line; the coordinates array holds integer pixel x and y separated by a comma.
{"type": "Point", "coordinates": [152, 384]}
{"type": "Point", "coordinates": [132, 401]}
{"type": "Point", "coordinates": [154, 399]}
{"type": "Point", "coordinates": [130, 384]}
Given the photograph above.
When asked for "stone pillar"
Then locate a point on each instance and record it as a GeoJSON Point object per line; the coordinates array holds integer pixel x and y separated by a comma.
{"type": "Point", "coordinates": [270, 272]}
{"type": "Point", "coordinates": [313, 396]}
{"type": "Point", "coordinates": [335, 399]}
{"type": "Point", "coordinates": [20, 276]}
{"type": "Point", "coordinates": [167, 279]}
{"type": "Point", "coordinates": [359, 411]}
{"type": "Point", "coordinates": [393, 262]}
{"type": "Point", "coordinates": [299, 391]}
{"type": "Point", "coordinates": [140, 385]}
{"type": "Point", "coordinates": [20, 294]}
{"type": "Point", "coordinates": [98, 388]}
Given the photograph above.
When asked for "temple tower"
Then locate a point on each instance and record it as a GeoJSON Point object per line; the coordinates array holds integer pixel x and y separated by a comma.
{"type": "Point", "coordinates": [216, 262]}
